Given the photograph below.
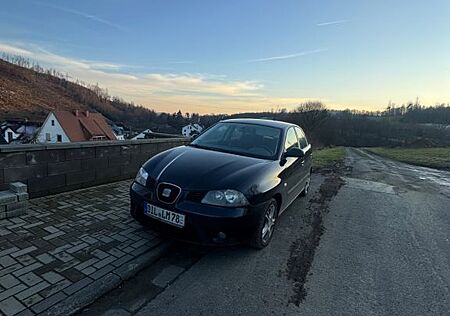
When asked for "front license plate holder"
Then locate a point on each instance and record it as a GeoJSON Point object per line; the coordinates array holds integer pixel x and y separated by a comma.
{"type": "Point", "coordinates": [163, 215]}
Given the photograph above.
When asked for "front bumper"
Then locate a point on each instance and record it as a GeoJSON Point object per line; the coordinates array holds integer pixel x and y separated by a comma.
{"type": "Point", "coordinates": [204, 224]}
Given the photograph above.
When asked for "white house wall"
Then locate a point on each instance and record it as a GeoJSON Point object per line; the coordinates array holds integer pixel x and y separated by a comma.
{"type": "Point", "coordinates": [52, 130]}
{"type": "Point", "coordinates": [14, 134]}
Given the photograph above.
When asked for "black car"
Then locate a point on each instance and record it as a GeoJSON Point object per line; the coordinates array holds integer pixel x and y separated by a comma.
{"type": "Point", "coordinates": [227, 186]}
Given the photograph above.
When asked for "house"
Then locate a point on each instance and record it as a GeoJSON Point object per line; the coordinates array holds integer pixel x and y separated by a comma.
{"type": "Point", "coordinates": [76, 126]}
{"type": "Point", "coordinates": [191, 130]}
{"type": "Point", "coordinates": [9, 132]}
{"type": "Point", "coordinates": [118, 131]}
{"type": "Point", "coordinates": [16, 131]}
{"type": "Point", "coordinates": [143, 134]}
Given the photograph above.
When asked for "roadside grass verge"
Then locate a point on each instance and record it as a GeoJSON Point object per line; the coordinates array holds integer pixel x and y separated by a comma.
{"type": "Point", "coordinates": [327, 157]}
{"type": "Point", "coordinates": [438, 158]}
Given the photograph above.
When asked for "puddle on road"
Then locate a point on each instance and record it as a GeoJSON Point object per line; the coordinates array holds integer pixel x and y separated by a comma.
{"type": "Point", "coordinates": [369, 185]}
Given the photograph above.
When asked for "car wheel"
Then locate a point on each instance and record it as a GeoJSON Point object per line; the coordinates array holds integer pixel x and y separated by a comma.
{"type": "Point", "coordinates": [266, 225]}
{"type": "Point", "coordinates": [307, 185]}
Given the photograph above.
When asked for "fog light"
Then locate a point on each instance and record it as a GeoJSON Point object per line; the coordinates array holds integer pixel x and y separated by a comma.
{"type": "Point", "coordinates": [222, 235]}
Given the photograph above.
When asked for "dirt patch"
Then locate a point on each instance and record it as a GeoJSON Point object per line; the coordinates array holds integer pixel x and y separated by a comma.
{"type": "Point", "coordinates": [302, 250]}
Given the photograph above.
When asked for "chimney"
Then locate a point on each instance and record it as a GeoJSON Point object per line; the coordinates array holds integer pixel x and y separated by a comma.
{"type": "Point", "coordinates": [87, 113]}
{"type": "Point", "coordinates": [76, 113]}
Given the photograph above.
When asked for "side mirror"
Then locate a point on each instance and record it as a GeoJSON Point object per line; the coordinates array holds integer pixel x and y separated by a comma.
{"type": "Point", "coordinates": [294, 152]}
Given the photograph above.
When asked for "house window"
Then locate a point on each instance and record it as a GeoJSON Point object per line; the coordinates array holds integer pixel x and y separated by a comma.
{"type": "Point", "coordinates": [98, 137]}
{"type": "Point", "coordinates": [47, 137]}
{"type": "Point", "coordinates": [59, 138]}
{"type": "Point", "coordinates": [10, 137]}
{"type": "Point", "coordinates": [53, 122]}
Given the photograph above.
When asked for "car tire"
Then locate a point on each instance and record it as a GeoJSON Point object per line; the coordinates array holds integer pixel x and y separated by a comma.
{"type": "Point", "coordinates": [307, 186]}
{"type": "Point", "coordinates": [266, 225]}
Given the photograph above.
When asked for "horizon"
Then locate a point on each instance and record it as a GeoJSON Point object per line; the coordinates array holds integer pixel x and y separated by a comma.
{"type": "Point", "coordinates": [230, 58]}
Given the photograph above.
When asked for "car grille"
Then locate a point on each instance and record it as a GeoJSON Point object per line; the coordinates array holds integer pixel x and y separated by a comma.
{"type": "Point", "coordinates": [167, 193]}
{"type": "Point", "coordinates": [195, 196]}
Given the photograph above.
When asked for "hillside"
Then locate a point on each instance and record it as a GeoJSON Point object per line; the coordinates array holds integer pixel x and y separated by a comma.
{"type": "Point", "coordinates": [26, 93]}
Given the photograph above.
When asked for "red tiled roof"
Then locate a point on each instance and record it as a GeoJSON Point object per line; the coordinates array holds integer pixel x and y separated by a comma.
{"type": "Point", "coordinates": [84, 126]}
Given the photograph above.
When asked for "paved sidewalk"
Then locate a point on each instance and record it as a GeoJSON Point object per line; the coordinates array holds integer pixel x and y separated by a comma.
{"type": "Point", "coordinates": [69, 249]}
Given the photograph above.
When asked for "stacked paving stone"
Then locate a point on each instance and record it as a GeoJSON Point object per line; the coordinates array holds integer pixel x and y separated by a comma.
{"type": "Point", "coordinates": [14, 202]}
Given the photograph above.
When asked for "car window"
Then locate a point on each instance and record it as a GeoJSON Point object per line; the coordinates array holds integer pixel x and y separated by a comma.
{"type": "Point", "coordinates": [246, 139]}
{"type": "Point", "coordinates": [218, 135]}
{"type": "Point", "coordinates": [301, 138]}
{"type": "Point", "coordinates": [237, 133]}
{"type": "Point", "coordinates": [291, 140]}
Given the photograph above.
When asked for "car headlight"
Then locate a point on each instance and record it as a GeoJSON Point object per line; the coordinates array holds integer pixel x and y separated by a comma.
{"type": "Point", "coordinates": [230, 198]}
{"type": "Point", "coordinates": [141, 177]}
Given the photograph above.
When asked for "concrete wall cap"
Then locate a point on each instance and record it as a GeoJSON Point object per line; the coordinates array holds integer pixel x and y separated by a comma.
{"type": "Point", "coordinates": [35, 147]}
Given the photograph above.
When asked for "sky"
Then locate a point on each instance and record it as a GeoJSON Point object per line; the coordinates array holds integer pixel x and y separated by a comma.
{"type": "Point", "coordinates": [227, 56]}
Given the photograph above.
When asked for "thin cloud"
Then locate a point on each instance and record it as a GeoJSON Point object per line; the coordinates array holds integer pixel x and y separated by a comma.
{"type": "Point", "coordinates": [14, 50]}
{"type": "Point", "coordinates": [289, 56]}
{"type": "Point", "coordinates": [168, 92]}
{"type": "Point", "coordinates": [109, 75]}
{"type": "Point", "coordinates": [83, 15]}
{"type": "Point", "coordinates": [332, 22]}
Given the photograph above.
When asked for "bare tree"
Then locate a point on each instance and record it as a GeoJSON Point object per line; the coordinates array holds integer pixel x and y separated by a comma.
{"type": "Point", "coordinates": [311, 115]}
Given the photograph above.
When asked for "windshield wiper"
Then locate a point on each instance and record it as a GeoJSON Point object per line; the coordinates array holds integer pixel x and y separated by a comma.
{"type": "Point", "coordinates": [198, 146]}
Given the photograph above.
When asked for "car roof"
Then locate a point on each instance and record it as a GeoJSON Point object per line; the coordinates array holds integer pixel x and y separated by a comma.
{"type": "Point", "coordinates": [271, 123]}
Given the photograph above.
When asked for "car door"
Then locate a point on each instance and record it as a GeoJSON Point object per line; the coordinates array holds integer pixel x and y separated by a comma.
{"type": "Point", "coordinates": [306, 161]}
{"type": "Point", "coordinates": [291, 174]}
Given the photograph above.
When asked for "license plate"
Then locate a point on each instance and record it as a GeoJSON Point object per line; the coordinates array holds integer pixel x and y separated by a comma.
{"type": "Point", "coordinates": [163, 215]}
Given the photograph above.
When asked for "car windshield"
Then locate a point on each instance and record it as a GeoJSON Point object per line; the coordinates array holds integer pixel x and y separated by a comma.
{"type": "Point", "coordinates": [252, 140]}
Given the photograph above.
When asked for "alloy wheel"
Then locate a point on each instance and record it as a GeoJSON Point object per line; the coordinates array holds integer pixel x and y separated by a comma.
{"type": "Point", "coordinates": [269, 223]}
{"type": "Point", "coordinates": [306, 189]}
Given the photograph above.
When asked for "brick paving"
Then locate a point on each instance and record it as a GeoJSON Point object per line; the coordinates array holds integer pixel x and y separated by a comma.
{"type": "Point", "coordinates": [64, 243]}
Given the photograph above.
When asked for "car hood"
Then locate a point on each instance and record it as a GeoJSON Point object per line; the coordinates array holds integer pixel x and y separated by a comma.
{"type": "Point", "coordinates": [200, 169]}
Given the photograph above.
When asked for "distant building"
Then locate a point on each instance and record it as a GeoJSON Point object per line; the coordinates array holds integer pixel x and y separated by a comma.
{"type": "Point", "coordinates": [143, 135]}
{"type": "Point", "coordinates": [17, 131]}
{"type": "Point", "coordinates": [118, 131]}
{"type": "Point", "coordinates": [191, 130]}
{"type": "Point", "coordinates": [9, 133]}
{"type": "Point", "coordinates": [76, 126]}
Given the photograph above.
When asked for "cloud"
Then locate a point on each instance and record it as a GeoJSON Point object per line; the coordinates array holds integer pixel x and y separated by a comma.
{"type": "Point", "coordinates": [146, 88]}
{"type": "Point", "coordinates": [83, 15]}
{"type": "Point", "coordinates": [332, 22]}
{"type": "Point", "coordinates": [14, 50]}
{"type": "Point", "coordinates": [202, 84]}
{"type": "Point", "coordinates": [164, 92]}
{"type": "Point", "coordinates": [289, 56]}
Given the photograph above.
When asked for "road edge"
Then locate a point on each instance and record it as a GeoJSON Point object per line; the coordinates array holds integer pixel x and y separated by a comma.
{"type": "Point", "coordinates": [92, 292]}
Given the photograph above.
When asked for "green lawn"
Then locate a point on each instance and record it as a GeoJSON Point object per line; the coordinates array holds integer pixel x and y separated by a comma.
{"type": "Point", "coordinates": [327, 157]}
{"type": "Point", "coordinates": [438, 158]}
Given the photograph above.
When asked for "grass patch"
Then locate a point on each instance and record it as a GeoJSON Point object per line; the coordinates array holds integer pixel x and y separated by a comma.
{"type": "Point", "coordinates": [438, 158]}
{"type": "Point", "coordinates": [327, 157]}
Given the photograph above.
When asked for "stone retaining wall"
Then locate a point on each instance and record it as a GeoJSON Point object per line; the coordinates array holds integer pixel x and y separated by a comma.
{"type": "Point", "coordinates": [55, 168]}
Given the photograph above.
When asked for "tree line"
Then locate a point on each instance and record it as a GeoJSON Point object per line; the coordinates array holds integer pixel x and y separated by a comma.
{"type": "Point", "coordinates": [411, 124]}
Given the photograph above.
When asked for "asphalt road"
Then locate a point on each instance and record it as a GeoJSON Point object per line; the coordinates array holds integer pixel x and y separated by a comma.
{"type": "Point", "coordinates": [384, 250]}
